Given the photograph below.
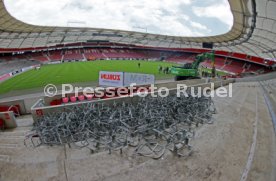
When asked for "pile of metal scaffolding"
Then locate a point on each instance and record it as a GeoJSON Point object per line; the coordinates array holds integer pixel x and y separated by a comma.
{"type": "Point", "coordinates": [151, 125]}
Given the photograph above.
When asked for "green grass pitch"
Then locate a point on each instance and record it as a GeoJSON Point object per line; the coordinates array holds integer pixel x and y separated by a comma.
{"type": "Point", "coordinates": [78, 72]}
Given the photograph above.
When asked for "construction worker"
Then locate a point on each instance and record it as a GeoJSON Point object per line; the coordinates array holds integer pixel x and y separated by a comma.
{"type": "Point", "coordinates": [160, 69]}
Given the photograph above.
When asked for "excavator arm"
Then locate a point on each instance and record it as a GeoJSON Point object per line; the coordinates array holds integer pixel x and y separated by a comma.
{"type": "Point", "coordinates": [203, 57]}
{"type": "Point", "coordinates": [191, 70]}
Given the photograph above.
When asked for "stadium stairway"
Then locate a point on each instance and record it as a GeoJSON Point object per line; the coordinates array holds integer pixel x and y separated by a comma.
{"type": "Point", "coordinates": [12, 141]}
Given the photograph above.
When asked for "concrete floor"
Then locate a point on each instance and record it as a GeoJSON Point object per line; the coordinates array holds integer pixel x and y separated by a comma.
{"type": "Point", "coordinates": [221, 150]}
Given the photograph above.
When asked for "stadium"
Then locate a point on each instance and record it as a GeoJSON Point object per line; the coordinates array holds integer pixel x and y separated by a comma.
{"type": "Point", "coordinates": [49, 133]}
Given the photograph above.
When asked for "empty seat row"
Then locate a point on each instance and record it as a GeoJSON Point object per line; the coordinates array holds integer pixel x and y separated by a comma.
{"type": "Point", "coordinates": [90, 97]}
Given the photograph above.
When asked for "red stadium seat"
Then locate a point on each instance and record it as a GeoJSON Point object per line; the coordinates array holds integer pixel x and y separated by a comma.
{"type": "Point", "coordinates": [89, 97]}
{"type": "Point", "coordinates": [65, 100]}
{"type": "Point", "coordinates": [73, 99]}
{"type": "Point", "coordinates": [73, 55]}
{"type": "Point", "coordinates": [55, 55]}
{"type": "Point", "coordinates": [14, 108]}
{"type": "Point", "coordinates": [81, 98]}
{"type": "Point", "coordinates": [56, 102]}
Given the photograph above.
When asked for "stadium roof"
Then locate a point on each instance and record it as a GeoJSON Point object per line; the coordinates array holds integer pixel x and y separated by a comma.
{"type": "Point", "coordinates": [253, 32]}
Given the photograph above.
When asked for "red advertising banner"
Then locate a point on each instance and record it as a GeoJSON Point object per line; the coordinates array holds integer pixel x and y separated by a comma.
{"type": "Point", "coordinates": [4, 77]}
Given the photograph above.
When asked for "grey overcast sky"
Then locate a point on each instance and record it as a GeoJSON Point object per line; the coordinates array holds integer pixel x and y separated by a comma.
{"type": "Point", "coordinates": [168, 17]}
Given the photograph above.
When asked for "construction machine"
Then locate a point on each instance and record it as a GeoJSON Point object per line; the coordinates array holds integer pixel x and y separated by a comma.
{"type": "Point", "coordinates": [191, 70]}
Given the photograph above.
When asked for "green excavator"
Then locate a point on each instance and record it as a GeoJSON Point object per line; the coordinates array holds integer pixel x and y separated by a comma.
{"type": "Point", "coordinates": [191, 70]}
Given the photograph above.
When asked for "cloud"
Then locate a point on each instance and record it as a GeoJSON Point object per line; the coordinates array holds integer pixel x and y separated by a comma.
{"type": "Point", "coordinates": [199, 26]}
{"type": "Point", "coordinates": [220, 11]}
{"type": "Point", "coordinates": [157, 16]}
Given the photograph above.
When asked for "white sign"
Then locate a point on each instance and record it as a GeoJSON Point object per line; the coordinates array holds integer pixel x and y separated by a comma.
{"type": "Point", "coordinates": [121, 79]}
{"type": "Point", "coordinates": [56, 62]}
{"type": "Point", "coordinates": [26, 69]}
{"type": "Point", "coordinates": [112, 79]}
{"type": "Point", "coordinates": [138, 79]}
